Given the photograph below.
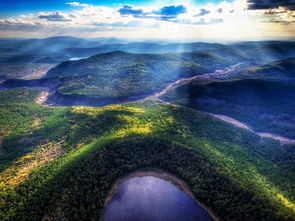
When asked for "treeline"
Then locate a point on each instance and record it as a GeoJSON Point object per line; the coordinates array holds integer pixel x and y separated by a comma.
{"type": "Point", "coordinates": [78, 191]}
{"type": "Point", "coordinates": [120, 74]}
{"type": "Point", "coordinates": [229, 169]}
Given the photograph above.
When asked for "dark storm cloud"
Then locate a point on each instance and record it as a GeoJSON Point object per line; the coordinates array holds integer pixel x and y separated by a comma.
{"type": "Point", "coordinates": [54, 16]}
{"type": "Point", "coordinates": [270, 4]}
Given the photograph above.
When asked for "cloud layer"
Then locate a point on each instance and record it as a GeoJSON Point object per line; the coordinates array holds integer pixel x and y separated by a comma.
{"type": "Point", "coordinates": [129, 10]}
{"type": "Point", "coordinates": [54, 16]}
{"type": "Point", "coordinates": [271, 4]}
{"type": "Point", "coordinates": [172, 10]}
{"type": "Point", "coordinates": [205, 12]}
{"type": "Point", "coordinates": [237, 18]}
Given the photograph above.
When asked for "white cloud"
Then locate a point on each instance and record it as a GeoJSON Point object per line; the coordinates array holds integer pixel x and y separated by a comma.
{"type": "Point", "coordinates": [18, 24]}
{"type": "Point", "coordinates": [78, 4]}
{"type": "Point", "coordinates": [279, 15]}
{"type": "Point", "coordinates": [54, 16]}
{"type": "Point", "coordinates": [222, 20]}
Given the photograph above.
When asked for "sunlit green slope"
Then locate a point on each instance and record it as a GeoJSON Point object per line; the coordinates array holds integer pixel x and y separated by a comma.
{"type": "Point", "coordinates": [121, 74]}
{"type": "Point", "coordinates": [76, 153]}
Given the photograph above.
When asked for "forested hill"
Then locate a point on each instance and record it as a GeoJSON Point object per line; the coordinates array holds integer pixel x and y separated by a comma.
{"type": "Point", "coordinates": [77, 47]}
{"type": "Point", "coordinates": [283, 70]}
{"type": "Point", "coordinates": [262, 96]}
{"type": "Point", "coordinates": [121, 74]}
{"type": "Point", "coordinates": [58, 163]}
{"type": "Point", "coordinates": [112, 61]}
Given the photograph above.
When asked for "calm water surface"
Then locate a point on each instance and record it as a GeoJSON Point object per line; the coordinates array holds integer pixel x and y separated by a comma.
{"type": "Point", "coordinates": [151, 198]}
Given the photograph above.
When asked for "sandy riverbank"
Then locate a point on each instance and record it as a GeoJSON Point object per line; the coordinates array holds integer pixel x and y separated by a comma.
{"type": "Point", "coordinates": [236, 123]}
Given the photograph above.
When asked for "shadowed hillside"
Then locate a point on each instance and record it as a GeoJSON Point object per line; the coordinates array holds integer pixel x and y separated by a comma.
{"type": "Point", "coordinates": [261, 96]}
{"type": "Point", "coordinates": [74, 155]}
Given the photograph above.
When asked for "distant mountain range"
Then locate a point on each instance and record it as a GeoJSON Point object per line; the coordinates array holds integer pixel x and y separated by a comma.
{"type": "Point", "coordinates": [121, 75]}
{"type": "Point", "coordinates": [119, 70]}
{"type": "Point", "coordinates": [64, 47]}
{"type": "Point", "coordinates": [77, 115]}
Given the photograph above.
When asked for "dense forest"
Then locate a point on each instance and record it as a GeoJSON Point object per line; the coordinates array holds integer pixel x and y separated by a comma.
{"type": "Point", "coordinates": [59, 163]}
{"type": "Point", "coordinates": [262, 96]}
{"type": "Point", "coordinates": [59, 159]}
{"type": "Point", "coordinates": [121, 74]}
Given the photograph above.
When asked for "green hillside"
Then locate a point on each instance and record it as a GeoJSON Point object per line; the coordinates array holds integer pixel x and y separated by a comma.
{"type": "Point", "coordinates": [120, 74]}
{"type": "Point", "coordinates": [283, 70]}
{"type": "Point", "coordinates": [76, 153]}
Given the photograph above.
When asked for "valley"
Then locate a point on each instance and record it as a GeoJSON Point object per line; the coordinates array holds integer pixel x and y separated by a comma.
{"type": "Point", "coordinates": [236, 123]}
{"type": "Point", "coordinates": [48, 95]}
{"type": "Point", "coordinates": [23, 71]}
{"type": "Point", "coordinates": [216, 122]}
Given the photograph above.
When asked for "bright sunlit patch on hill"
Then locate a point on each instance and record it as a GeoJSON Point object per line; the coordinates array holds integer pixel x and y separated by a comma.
{"type": "Point", "coordinates": [286, 202]}
{"type": "Point", "coordinates": [250, 177]}
{"type": "Point", "coordinates": [92, 111]}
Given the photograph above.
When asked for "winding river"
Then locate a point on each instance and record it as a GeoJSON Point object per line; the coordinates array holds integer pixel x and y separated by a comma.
{"type": "Point", "coordinates": [236, 123]}
{"type": "Point", "coordinates": [218, 75]}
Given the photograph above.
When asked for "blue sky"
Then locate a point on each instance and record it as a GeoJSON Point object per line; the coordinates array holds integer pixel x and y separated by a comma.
{"type": "Point", "coordinates": [16, 7]}
{"type": "Point", "coordinates": [212, 20]}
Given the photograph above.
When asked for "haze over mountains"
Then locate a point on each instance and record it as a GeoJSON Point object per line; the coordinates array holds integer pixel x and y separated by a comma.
{"type": "Point", "coordinates": [76, 47]}
{"type": "Point", "coordinates": [140, 69]}
{"type": "Point", "coordinates": [77, 114]}
{"type": "Point", "coordinates": [34, 57]}
{"type": "Point", "coordinates": [121, 71]}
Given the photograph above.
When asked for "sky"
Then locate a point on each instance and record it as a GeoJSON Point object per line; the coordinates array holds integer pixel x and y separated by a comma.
{"type": "Point", "coordinates": [198, 20]}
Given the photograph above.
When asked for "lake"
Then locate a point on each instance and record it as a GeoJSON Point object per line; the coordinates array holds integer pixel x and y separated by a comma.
{"type": "Point", "coordinates": [150, 198]}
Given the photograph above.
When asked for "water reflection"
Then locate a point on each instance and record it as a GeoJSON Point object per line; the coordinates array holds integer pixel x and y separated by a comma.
{"type": "Point", "coordinates": [151, 198]}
